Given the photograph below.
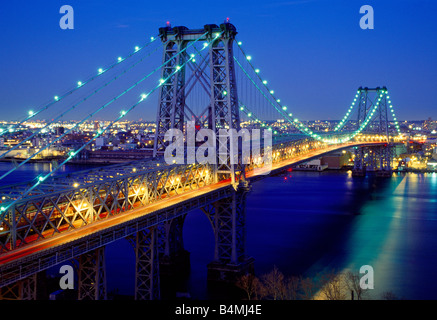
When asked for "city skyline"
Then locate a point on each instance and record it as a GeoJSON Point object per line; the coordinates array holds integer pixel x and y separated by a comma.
{"type": "Point", "coordinates": [315, 65]}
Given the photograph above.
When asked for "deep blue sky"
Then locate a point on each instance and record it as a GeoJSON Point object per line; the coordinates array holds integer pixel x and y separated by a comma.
{"type": "Point", "coordinates": [313, 52]}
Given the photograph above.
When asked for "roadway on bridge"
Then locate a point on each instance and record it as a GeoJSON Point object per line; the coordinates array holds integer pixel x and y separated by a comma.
{"type": "Point", "coordinates": [121, 218]}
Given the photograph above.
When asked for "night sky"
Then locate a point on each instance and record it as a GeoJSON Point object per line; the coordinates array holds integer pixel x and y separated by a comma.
{"type": "Point", "coordinates": [313, 53]}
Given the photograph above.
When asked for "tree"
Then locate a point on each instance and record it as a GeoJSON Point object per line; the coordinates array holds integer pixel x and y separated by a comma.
{"type": "Point", "coordinates": [307, 288]}
{"type": "Point", "coordinates": [333, 286]}
{"type": "Point", "coordinates": [273, 284]}
{"type": "Point", "coordinates": [353, 284]}
{"type": "Point", "coordinates": [250, 284]}
{"type": "Point", "coordinates": [292, 285]}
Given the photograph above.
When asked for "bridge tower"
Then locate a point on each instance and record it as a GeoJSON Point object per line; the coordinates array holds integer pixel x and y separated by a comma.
{"type": "Point", "coordinates": [222, 112]}
{"type": "Point", "coordinates": [373, 158]}
{"type": "Point", "coordinates": [221, 115]}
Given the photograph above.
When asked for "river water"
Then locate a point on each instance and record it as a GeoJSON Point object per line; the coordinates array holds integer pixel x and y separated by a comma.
{"type": "Point", "coordinates": [305, 223]}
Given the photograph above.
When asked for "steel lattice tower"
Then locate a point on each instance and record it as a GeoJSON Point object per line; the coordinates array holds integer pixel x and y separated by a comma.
{"type": "Point", "coordinates": [222, 112]}
{"type": "Point", "coordinates": [374, 101]}
{"type": "Point", "coordinates": [172, 94]}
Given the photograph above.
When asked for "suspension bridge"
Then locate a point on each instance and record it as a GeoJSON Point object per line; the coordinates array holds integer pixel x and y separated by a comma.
{"type": "Point", "coordinates": [205, 77]}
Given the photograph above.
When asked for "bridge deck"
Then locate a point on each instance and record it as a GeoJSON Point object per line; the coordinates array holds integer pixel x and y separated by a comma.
{"type": "Point", "coordinates": [87, 231]}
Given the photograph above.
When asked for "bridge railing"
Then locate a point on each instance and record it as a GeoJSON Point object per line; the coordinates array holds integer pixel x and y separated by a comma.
{"type": "Point", "coordinates": [287, 150]}
{"type": "Point", "coordinates": [282, 151]}
{"type": "Point", "coordinates": [71, 205]}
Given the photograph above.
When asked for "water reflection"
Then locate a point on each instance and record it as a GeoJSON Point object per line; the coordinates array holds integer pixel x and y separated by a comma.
{"type": "Point", "coordinates": [392, 228]}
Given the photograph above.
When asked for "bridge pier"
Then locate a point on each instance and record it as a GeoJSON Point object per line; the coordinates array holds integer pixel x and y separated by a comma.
{"type": "Point", "coordinates": [359, 169]}
{"type": "Point", "coordinates": [385, 158]}
{"type": "Point", "coordinates": [372, 159]}
{"type": "Point", "coordinates": [147, 285]}
{"type": "Point", "coordinates": [92, 275]}
{"type": "Point", "coordinates": [228, 219]}
{"type": "Point", "coordinates": [173, 258]}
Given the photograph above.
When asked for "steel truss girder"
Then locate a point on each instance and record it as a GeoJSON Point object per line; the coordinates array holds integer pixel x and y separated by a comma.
{"type": "Point", "coordinates": [21, 290]}
{"type": "Point", "coordinates": [284, 151]}
{"type": "Point", "coordinates": [92, 275]}
{"type": "Point", "coordinates": [21, 268]}
{"type": "Point", "coordinates": [82, 178]}
{"type": "Point", "coordinates": [147, 265]}
{"type": "Point", "coordinates": [44, 216]}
